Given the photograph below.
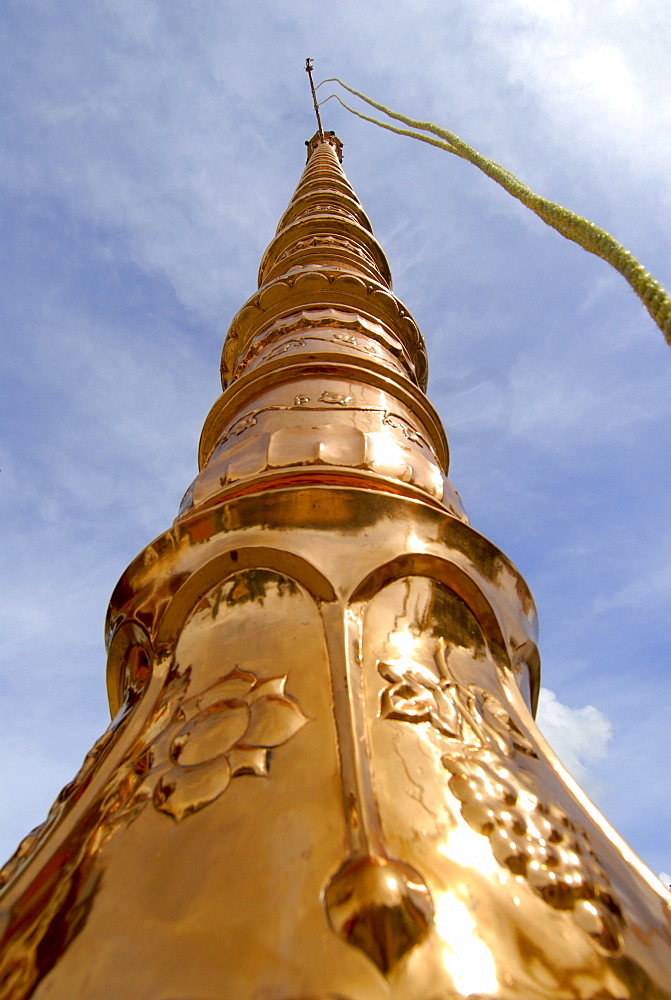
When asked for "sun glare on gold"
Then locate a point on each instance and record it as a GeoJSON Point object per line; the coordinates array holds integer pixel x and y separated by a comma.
{"type": "Point", "coordinates": [467, 958]}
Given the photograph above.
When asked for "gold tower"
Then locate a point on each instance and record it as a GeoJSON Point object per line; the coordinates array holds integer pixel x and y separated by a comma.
{"type": "Point", "coordinates": [323, 780]}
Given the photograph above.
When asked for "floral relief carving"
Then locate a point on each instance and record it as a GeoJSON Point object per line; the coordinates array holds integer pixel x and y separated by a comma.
{"type": "Point", "coordinates": [470, 714]}
{"type": "Point", "coordinates": [239, 427]}
{"type": "Point", "coordinates": [345, 338]}
{"type": "Point", "coordinates": [227, 730]}
{"type": "Point", "coordinates": [284, 346]}
{"type": "Point", "coordinates": [532, 837]}
{"type": "Point", "coordinates": [336, 398]}
{"type": "Point", "coordinates": [192, 747]}
{"type": "Point", "coordinates": [330, 318]}
{"type": "Point", "coordinates": [326, 209]}
{"type": "Point", "coordinates": [297, 343]}
{"type": "Point", "coordinates": [188, 753]}
{"type": "Point", "coordinates": [238, 334]}
{"type": "Point", "coordinates": [340, 242]}
{"type": "Point", "coordinates": [410, 432]}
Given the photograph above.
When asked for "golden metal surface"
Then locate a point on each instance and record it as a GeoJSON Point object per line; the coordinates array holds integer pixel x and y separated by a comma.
{"type": "Point", "coordinates": [323, 780]}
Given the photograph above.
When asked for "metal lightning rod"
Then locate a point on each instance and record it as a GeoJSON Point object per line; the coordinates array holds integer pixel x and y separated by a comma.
{"type": "Point", "coordinates": [308, 70]}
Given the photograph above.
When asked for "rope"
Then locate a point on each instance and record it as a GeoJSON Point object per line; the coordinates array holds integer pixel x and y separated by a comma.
{"type": "Point", "coordinates": [572, 226]}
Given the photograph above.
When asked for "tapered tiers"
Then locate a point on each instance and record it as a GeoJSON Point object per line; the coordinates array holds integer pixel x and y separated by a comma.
{"type": "Point", "coordinates": [323, 780]}
{"type": "Point", "coordinates": [324, 369]}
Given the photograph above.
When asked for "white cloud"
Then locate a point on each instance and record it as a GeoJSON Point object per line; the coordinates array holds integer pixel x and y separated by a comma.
{"type": "Point", "coordinates": [596, 70]}
{"type": "Point", "coordinates": [579, 736]}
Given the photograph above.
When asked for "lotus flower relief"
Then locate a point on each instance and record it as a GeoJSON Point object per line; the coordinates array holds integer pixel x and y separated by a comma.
{"type": "Point", "coordinates": [225, 731]}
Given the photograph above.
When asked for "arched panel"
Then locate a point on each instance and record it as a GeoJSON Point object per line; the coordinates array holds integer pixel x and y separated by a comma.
{"type": "Point", "coordinates": [433, 692]}
{"type": "Point", "coordinates": [422, 633]}
{"type": "Point", "coordinates": [224, 565]}
{"type": "Point", "coordinates": [241, 750]}
{"type": "Point", "coordinates": [453, 577]}
{"type": "Point", "coordinates": [129, 662]}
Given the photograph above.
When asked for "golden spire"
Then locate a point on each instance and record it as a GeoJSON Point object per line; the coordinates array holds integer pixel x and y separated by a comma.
{"type": "Point", "coordinates": [323, 778]}
{"type": "Point", "coordinates": [324, 305]}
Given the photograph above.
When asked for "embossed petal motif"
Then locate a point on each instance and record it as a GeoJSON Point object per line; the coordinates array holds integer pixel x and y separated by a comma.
{"type": "Point", "coordinates": [469, 714]}
{"type": "Point", "coordinates": [227, 730]}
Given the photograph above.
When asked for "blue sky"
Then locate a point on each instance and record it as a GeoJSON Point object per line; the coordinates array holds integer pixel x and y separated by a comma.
{"type": "Point", "coordinates": [148, 150]}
